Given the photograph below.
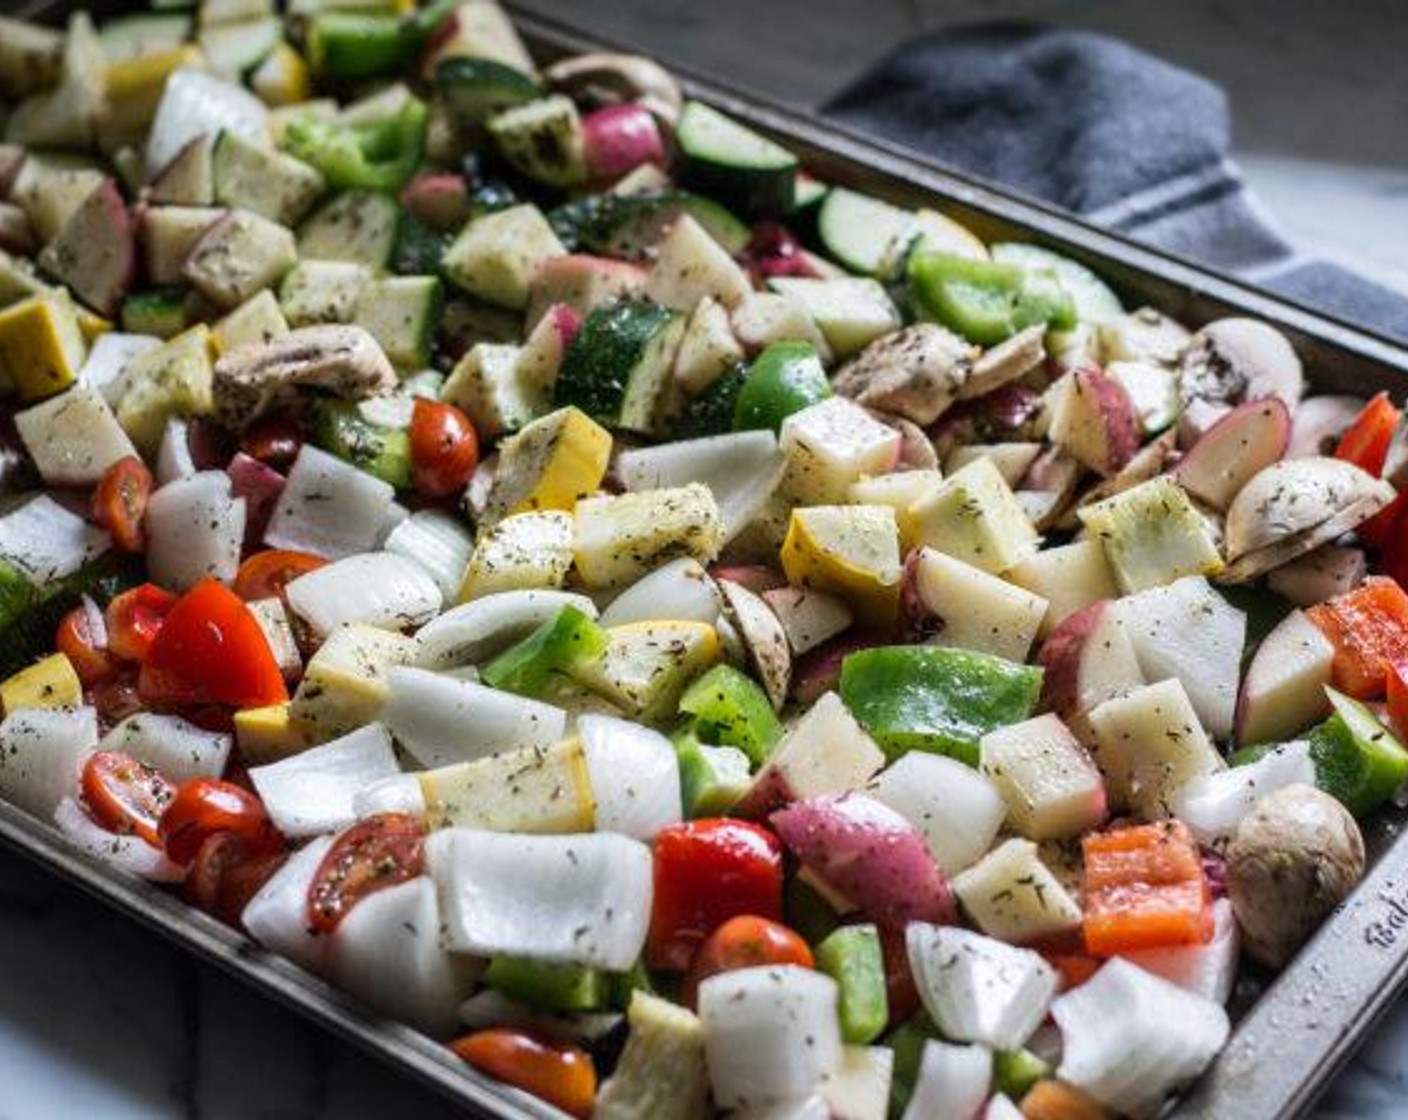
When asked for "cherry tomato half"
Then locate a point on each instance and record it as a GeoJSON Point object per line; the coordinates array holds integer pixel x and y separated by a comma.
{"type": "Point", "coordinates": [373, 854]}
{"type": "Point", "coordinates": [265, 574]}
{"type": "Point", "coordinates": [204, 806]}
{"type": "Point", "coordinates": [557, 1072]}
{"type": "Point", "coordinates": [120, 501]}
{"type": "Point", "coordinates": [134, 618]}
{"type": "Point", "coordinates": [274, 439]}
{"type": "Point", "coordinates": [744, 942]}
{"type": "Point", "coordinates": [82, 638]}
{"type": "Point", "coordinates": [126, 796]}
{"type": "Point", "coordinates": [226, 873]}
{"type": "Point", "coordinates": [444, 448]}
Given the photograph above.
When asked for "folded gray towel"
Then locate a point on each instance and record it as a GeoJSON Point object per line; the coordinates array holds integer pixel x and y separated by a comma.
{"type": "Point", "coordinates": [1108, 131]}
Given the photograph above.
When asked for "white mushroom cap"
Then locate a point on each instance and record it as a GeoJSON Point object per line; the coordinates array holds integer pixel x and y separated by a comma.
{"type": "Point", "coordinates": [1235, 360]}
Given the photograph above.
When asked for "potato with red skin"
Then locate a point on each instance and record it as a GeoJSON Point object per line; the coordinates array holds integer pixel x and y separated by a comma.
{"type": "Point", "coordinates": [1088, 658]}
{"type": "Point", "coordinates": [1094, 421]}
{"type": "Point", "coordinates": [619, 138]}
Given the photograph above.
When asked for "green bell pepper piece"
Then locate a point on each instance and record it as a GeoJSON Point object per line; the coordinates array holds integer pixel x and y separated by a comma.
{"type": "Point", "coordinates": [1016, 1071]}
{"type": "Point", "coordinates": [348, 46]}
{"type": "Point", "coordinates": [785, 378]}
{"type": "Point", "coordinates": [907, 1042]}
{"type": "Point", "coordinates": [712, 779]}
{"type": "Point", "coordinates": [622, 986]}
{"type": "Point", "coordinates": [852, 957]}
{"type": "Point", "coordinates": [340, 429]}
{"type": "Point", "coordinates": [551, 986]}
{"type": "Point", "coordinates": [1357, 760]}
{"type": "Point", "coordinates": [564, 641]}
{"type": "Point", "coordinates": [732, 710]}
{"type": "Point", "coordinates": [930, 698]}
{"type": "Point", "coordinates": [987, 301]}
{"type": "Point", "coordinates": [373, 155]}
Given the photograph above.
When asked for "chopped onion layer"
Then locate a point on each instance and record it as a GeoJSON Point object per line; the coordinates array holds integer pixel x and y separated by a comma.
{"type": "Point", "coordinates": [314, 791]}
{"type": "Point", "coordinates": [635, 776]}
{"type": "Point", "coordinates": [1213, 805]}
{"type": "Point", "coordinates": [328, 507]}
{"type": "Point", "coordinates": [195, 529]}
{"type": "Point", "coordinates": [469, 633]}
{"type": "Point", "coordinates": [374, 588]}
{"type": "Point", "coordinates": [440, 543]}
{"type": "Point", "coordinates": [130, 854]}
{"type": "Point", "coordinates": [194, 104]}
{"type": "Point", "coordinates": [42, 751]}
{"type": "Point", "coordinates": [176, 747]}
{"type": "Point", "coordinates": [680, 591]}
{"type": "Point", "coordinates": [953, 1082]}
{"type": "Point", "coordinates": [277, 917]}
{"type": "Point", "coordinates": [47, 542]}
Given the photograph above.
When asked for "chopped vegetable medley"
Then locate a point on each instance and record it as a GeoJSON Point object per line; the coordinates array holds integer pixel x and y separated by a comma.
{"type": "Point", "coordinates": [691, 638]}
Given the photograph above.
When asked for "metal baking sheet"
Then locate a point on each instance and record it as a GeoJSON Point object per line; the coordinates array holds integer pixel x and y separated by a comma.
{"type": "Point", "coordinates": [1295, 1034]}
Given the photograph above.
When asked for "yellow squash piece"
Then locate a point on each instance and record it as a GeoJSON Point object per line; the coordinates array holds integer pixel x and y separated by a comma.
{"type": "Point", "coordinates": [50, 683]}
{"type": "Point", "coordinates": [282, 78]}
{"type": "Point", "coordinates": [551, 463]}
{"type": "Point", "coordinates": [621, 538]}
{"type": "Point", "coordinates": [646, 665]}
{"type": "Point", "coordinates": [521, 553]}
{"type": "Point", "coordinates": [527, 790]}
{"type": "Point", "coordinates": [849, 551]}
{"type": "Point", "coordinates": [41, 346]}
{"type": "Point", "coordinates": [174, 379]}
{"type": "Point", "coordinates": [268, 734]}
{"type": "Point", "coordinates": [344, 685]}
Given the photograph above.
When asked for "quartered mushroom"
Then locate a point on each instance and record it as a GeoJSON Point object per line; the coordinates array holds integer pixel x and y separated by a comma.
{"type": "Point", "coordinates": [1047, 488]}
{"type": "Point", "coordinates": [607, 78]}
{"type": "Point", "coordinates": [345, 361]}
{"type": "Point", "coordinates": [1294, 506]}
{"type": "Point", "coordinates": [1231, 361]}
{"type": "Point", "coordinates": [915, 373]}
{"type": "Point", "coordinates": [763, 638]}
{"type": "Point", "coordinates": [1318, 423]}
{"type": "Point", "coordinates": [1005, 362]}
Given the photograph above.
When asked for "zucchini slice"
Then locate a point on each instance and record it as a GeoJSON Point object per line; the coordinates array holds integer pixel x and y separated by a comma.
{"type": "Point", "coordinates": [617, 369]}
{"type": "Point", "coordinates": [627, 225]}
{"type": "Point", "coordinates": [859, 231]}
{"type": "Point", "coordinates": [725, 159]}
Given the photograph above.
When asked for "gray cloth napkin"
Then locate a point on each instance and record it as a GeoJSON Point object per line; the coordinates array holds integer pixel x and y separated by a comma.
{"type": "Point", "coordinates": [1108, 131]}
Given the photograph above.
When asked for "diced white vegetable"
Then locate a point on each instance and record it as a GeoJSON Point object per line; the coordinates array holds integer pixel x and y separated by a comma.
{"type": "Point", "coordinates": [850, 311]}
{"type": "Point", "coordinates": [976, 988]}
{"type": "Point", "coordinates": [956, 808]}
{"type": "Point", "coordinates": [1150, 745]}
{"type": "Point", "coordinates": [524, 552]}
{"type": "Point", "coordinates": [273, 619]}
{"type": "Point", "coordinates": [635, 776]}
{"type": "Point", "coordinates": [830, 445]}
{"type": "Point", "coordinates": [195, 530]}
{"type": "Point", "coordinates": [808, 617]}
{"type": "Point", "coordinates": [1068, 577]}
{"type": "Point", "coordinates": [173, 459]}
{"type": "Point", "coordinates": [42, 751]}
{"type": "Point", "coordinates": [1187, 630]}
{"type": "Point", "coordinates": [312, 792]}
{"type": "Point", "coordinates": [556, 898]}
{"type": "Point", "coordinates": [128, 853]}
{"type": "Point", "coordinates": [439, 542]}
{"type": "Point", "coordinates": [176, 747]}
{"type": "Point", "coordinates": [194, 104]}
{"type": "Point", "coordinates": [107, 361]}
{"type": "Point", "coordinates": [859, 1088]}
{"type": "Point", "coordinates": [762, 318]}
{"type": "Point", "coordinates": [442, 720]}
{"type": "Point", "coordinates": [973, 609]}
{"type": "Point", "coordinates": [974, 517]}
{"type": "Point", "coordinates": [680, 591]}
{"type": "Point", "coordinates": [1052, 787]}
{"type": "Point", "coordinates": [1130, 1038]}
{"type": "Point", "coordinates": [1002, 1108]}
{"type": "Point", "coordinates": [741, 470]}
{"type": "Point", "coordinates": [1011, 895]}
{"type": "Point", "coordinates": [277, 916]}
{"type": "Point", "coordinates": [770, 1033]}
{"type": "Point", "coordinates": [708, 348]}
{"type": "Point", "coordinates": [492, 1008]}
{"type": "Point", "coordinates": [374, 588]}
{"type": "Point", "coordinates": [690, 265]}
{"type": "Point", "coordinates": [73, 437]}
{"type": "Point", "coordinates": [387, 951]}
{"type": "Point", "coordinates": [953, 1082]}
{"type": "Point", "coordinates": [328, 507]}
{"type": "Point", "coordinates": [471, 632]}
{"type": "Point", "coordinates": [1208, 970]}
{"type": "Point", "coordinates": [1212, 805]}
{"type": "Point", "coordinates": [1283, 692]}
{"type": "Point", "coordinates": [826, 751]}
{"type": "Point", "coordinates": [1152, 535]}
{"type": "Point", "coordinates": [47, 542]}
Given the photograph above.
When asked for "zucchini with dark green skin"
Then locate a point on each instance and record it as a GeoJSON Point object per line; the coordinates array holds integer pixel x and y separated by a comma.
{"type": "Point", "coordinates": [712, 412]}
{"type": "Point", "coordinates": [340, 429]}
{"type": "Point", "coordinates": [475, 89]}
{"type": "Point", "coordinates": [723, 159]}
{"type": "Point", "coordinates": [619, 364]}
{"type": "Point", "coordinates": [627, 225]}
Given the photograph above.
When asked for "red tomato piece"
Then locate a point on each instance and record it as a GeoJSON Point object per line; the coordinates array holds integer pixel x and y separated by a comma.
{"type": "Point", "coordinates": [120, 502]}
{"type": "Point", "coordinates": [126, 796]}
{"type": "Point", "coordinates": [1385, 529]}
{"type": "Point", "coordinates": [706, 872]}
{"type": "Point", "coordinates": [1145, 888]}
{"type": "Point", "coordinates": [745, 942]}
{"type": "Point", "coordinates": [82, 638]}
{"type": "Point", "coordinates": [557, 1072]}
{"type": "Point", "coordinates": [226, 873]}
{"type": "Point", "coordinates": [1365, 442]}
{"type": "Point", "coordinates": [444, 448]}
{"type": "Point", "coordinates": [134, 619]}
{"type": "Point", "coordinates": [274, 439]}
{"type": "Point", "coordinates": [210, 650]}
{"type": "Point", "coordinates": [265, 574]}
{"type": "Point", "coordinates": [1369, 629]}
{"type": "Point", "coordinates": [204, 807]}
{"type": "Point", "coordinates": [373, 854]}
{"type": "Point", "coordinates": [1396, 679]}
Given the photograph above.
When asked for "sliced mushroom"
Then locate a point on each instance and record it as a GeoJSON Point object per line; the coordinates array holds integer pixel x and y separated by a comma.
{"type": "Point", "coordinates": [1293, 859]}
{"type": "Point", "coordinates": [1235, 360]}
{"type": "Point", "coordinates": [1295, 506]}
{"type": "Point", "coordinates": [1047, 488]}
{"type": "Point", "coordinates": [1318, 422]}
{"type": "Point", "coordinates": [1005, 362]}
{"type": "Point", "coordinates": [605, 78]}
{"type": "Point", "coordinates": [345, 361]}
{"type": "Point", "coordinates": [916, 449]}
{"type": "Point", "coordinates": [916, 372]}
{"type": "Point", "coordinates": [1328, 571]}
{"type": "Point", "coordinates": [764, 638]}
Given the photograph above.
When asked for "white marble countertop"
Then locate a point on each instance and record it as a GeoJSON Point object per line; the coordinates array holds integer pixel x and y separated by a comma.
{"type": "Point", "coordinates": [101, 1020]}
